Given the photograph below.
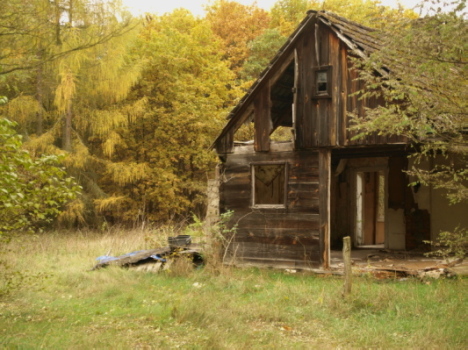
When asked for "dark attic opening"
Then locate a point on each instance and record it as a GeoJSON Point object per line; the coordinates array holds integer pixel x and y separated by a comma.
{"type": "Point", "coordinates": [282, 100]}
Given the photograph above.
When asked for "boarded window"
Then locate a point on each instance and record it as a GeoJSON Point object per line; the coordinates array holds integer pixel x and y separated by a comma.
{"type": "Point", "coordinates": [269, 185]}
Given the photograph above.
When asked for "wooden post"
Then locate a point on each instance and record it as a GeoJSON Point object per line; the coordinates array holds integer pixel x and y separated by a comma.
{"type": "Point", "coordinates": [347, 265]}
{"type": "Point", "coordinates": [324, 202]}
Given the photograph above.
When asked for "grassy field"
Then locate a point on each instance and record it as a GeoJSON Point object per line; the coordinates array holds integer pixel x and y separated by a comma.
{"type": "Point", "coordinates": [66, 306]}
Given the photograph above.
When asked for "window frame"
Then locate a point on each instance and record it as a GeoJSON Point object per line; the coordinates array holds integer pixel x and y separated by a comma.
{"type": "Point", "coordinates": [328, 92]}
{"type": "Point", "coordinates": [285, 185]}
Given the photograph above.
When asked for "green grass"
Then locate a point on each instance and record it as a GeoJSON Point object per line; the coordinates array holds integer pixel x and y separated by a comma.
{"type": "Point", "coordinates": [69, 307]}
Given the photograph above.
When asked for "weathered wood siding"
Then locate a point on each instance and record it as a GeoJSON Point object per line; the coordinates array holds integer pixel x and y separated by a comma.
{"type": "Point", "coordinates": [324, 121]}
{"type": "Point", "coordinates": [283, 237]}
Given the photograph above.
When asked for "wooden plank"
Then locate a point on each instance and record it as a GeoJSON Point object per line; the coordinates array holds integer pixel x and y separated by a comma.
{"type": "Point", "coordinates": [324, 193]}
{"type": "Point", "coordinates": [297, 159]}
{"type": "Point", "coordinates": [342, 111]}
{"type": "Point", "coordinates": [265, 221]}
{"type": "Point", "coordinates": [295, 93]}
{"type": "Point", "coordinates": [262, 120]}
{"type": "Point", "coordinates": [352, 103]}
{"type": "Point", "coordinates": [226, 143]}
{"type": "Point", "coordinates": [310, 112]}
{"type": "Point", "coordinates": [296, 239]}
{"type": "Point", "coordinates": [323, 104]}
{"type": "Point", "coordinates": [335, 103]}
{"type": "Point", "coordinates": [258, 251]}
{"type": "Point", "coordinates": [305, 127]}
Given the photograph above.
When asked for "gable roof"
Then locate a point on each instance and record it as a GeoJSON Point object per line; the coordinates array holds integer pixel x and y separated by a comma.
{"type": "Point", "coordinates": [359, 39]}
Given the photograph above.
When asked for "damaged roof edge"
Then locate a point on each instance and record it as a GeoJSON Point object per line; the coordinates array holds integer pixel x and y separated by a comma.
{"type": "Point", "coordinates": [342, 27]}
{"type": "Point", "coordinates": [249, 93]}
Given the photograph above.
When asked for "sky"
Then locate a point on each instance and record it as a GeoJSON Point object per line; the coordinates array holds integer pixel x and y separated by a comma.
{"type": "Point", "coordinates": [160, 7]}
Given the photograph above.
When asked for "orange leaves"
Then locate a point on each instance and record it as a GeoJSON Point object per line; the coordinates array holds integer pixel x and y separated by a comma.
{"type": "Point", "coordinates": [236, 25]}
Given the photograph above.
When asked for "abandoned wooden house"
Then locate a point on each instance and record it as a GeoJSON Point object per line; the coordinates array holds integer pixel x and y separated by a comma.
{"type": "Point", "coordinates": [293, 200]}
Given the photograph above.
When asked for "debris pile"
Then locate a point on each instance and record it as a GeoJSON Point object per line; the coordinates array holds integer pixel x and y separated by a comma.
{"type": "Point", "coordinates": [384, 263]}
{"type": "Point", "coordinates": [154, 260]}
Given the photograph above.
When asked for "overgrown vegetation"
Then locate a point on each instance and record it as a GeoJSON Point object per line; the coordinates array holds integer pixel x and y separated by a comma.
{"type": "Point", "coordinates": [451, 244]}
{"type": "Point", "coordinates": [421, 73]}
{"type": "Point", "coordinates": [72, 307]}
{"type": "Point", "coordinates": [134, 103]}
{"type": "Point", "coordinates": [33, 191]}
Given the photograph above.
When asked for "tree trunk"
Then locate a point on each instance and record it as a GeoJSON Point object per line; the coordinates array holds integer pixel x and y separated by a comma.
{"type": "Point", "coordinates": [58, 14]}
{"type": "Point", "coordinates": [67, 128]}
{"type": "Point", "coordinates": [40, 95]}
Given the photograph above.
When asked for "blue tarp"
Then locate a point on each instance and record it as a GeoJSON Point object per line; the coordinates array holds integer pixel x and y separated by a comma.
{"type": "Point", "coordinates": [105, 259]}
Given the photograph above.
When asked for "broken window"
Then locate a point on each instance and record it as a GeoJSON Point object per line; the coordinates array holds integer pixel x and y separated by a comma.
{"type": "Point", "coordinates": [323, 82]}
{"type": "Point", "coordinates": [269, 185]}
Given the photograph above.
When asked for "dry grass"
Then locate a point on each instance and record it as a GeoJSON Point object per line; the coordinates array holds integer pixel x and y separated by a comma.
{"type": "Point", "coordinates": [69, 307]}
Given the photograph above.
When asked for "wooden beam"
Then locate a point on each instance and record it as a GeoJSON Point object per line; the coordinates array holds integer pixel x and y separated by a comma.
{"type": "Point", "coordinates": [281, 69]}
{"type": "Point", "coordinates": [262, 120]}
{"type": "Point", "coordinates": [324, 205]}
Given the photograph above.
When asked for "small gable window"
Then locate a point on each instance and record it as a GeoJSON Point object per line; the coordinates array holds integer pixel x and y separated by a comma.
{"type": "Point", "coordinates": [269, 183]}
{"type": "Point", "coordinates": [322, 82]}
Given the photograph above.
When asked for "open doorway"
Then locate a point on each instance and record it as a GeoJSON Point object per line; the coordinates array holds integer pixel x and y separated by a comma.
{"type": "Point", "coordinates": [370, 209]}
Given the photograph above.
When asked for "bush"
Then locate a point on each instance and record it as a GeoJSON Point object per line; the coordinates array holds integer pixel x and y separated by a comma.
{"type": "Point", "coordinates": [451, 244]}
{"type": "Point", "coordinates": [32, 191]}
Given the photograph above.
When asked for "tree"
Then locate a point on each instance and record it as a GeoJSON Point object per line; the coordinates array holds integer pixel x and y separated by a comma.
{"type": "Point", "coordinates": [236, 25]}
{"type": "Point", "coordinates": [425, 89]}
{"type": "Point", "coordinates": [159, 171]}
{"type": "Point", "coordinates": [33, 192]}
{"type": "Point", "coordinates": [287, 14]}
{"type": "Point", "coordinates": [262, 49]}
{"type": "Point", "coordinates": [35, 32]}
{"type": "Point", "coordinates": [370, 13]}
{"type": "Point", "coordinates": [72, 107]}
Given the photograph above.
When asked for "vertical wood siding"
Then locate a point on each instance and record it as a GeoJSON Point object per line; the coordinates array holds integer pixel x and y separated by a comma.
{"type": "Point", "coordinates": [324, 122]}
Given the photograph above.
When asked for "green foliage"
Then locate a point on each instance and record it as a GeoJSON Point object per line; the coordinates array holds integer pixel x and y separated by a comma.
{"type": "Point", "coordinates": [370, 13]}
{"type": "Point", "coordinates": [262, 49]}
{"type": "Point", "coordinates": [287, 14]}
{"type": "Point", "coordinates": [425, 92]}
{"type": "Point", "coordinates": [451, 244]}
{"type": "Point", "coordinates": [33, 192]}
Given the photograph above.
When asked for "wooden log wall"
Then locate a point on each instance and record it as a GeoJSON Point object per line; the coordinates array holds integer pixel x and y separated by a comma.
{"type": "Point", "coordinates": [288, 236]}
